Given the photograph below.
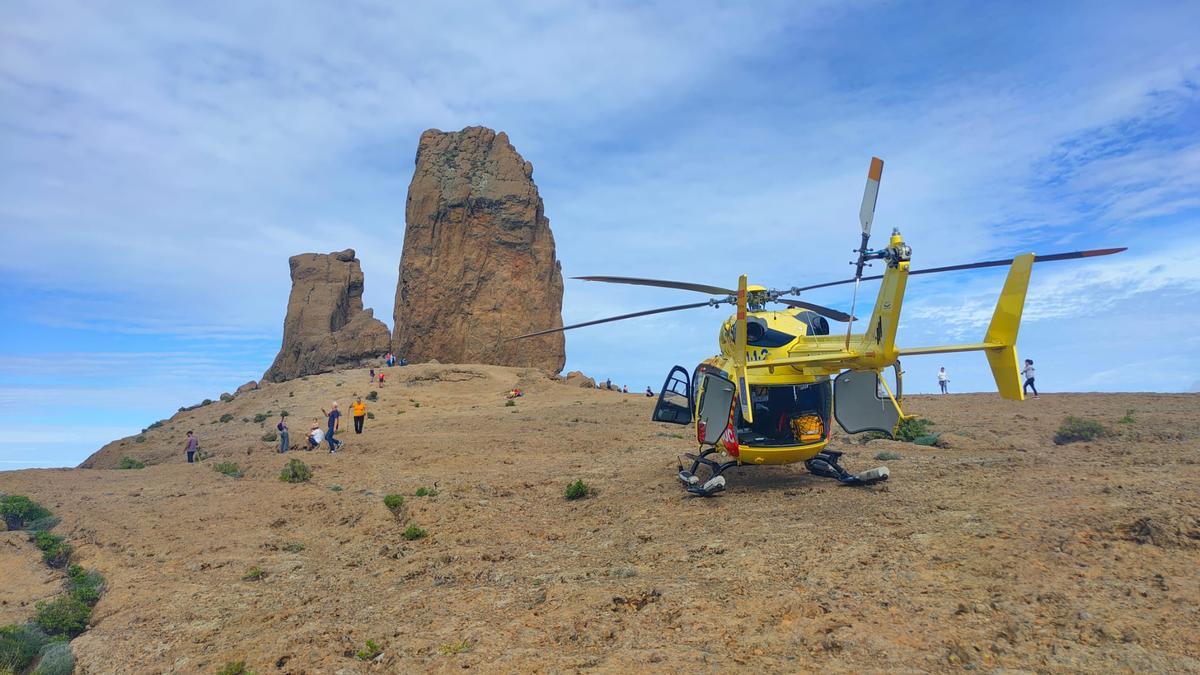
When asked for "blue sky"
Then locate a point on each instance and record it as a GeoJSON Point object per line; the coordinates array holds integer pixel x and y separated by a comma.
{"type": "Point", "coordinates": [160, 161]}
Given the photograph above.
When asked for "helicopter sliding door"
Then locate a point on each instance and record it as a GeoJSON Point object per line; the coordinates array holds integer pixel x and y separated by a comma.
{"type": "Point", "coordinates": [860, 404]}
{"type": "Point", "coordinates": [675, 400]}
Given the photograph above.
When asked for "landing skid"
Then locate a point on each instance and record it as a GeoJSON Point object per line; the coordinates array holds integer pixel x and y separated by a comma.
{"type": "Point", "coordinates": [826, 464]}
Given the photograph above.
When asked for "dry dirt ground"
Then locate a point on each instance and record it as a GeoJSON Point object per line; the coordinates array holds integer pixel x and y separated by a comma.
{"type": "Point", "coordinates": [1000, 551]}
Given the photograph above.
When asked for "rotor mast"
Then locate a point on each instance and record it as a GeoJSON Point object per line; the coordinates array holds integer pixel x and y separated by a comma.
{"type": "Point", "coordinates": [866, 215]}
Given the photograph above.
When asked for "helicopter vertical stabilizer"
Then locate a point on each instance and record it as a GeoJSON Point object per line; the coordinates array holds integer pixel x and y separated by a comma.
{"type": "Point", "coordinates": [1002, 331]}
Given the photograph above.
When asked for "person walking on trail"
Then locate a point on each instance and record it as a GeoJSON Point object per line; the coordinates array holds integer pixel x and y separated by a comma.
{"type": "Point", "coordinates": [283, 433]}
{"type": "Point", "coordinates": [315, 435]}
{"type": "Point", "coordinates": [943, 379]}
{"type": "Point", "coordinates": [334, 425]}
{"type": "Point", "coordinates": [372, 374]}
{"type": "Point", "coordinates": [193, 444]}
{"type": "Point", "coordinates": [360, 414]}
{"type": "Point", "coordinates": [381, 378]}
{"type": "Point", "coordinates": [1027, 371]}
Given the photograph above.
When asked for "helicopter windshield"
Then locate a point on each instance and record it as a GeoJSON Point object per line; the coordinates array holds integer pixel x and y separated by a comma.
{"type": "Point", "coordinates": [786, 415]}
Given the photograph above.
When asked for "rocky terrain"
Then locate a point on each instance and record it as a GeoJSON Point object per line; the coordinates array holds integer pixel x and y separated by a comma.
{"type": "Point", "coordinates": [326, 325]}
{"type": "Point", "coordinates": [478, 263]}
{"type": "Point", "coordinates": [998, 551]}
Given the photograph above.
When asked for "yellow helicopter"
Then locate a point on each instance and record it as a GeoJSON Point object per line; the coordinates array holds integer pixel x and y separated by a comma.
{"type": "Point", "coordinates": [782, 378]}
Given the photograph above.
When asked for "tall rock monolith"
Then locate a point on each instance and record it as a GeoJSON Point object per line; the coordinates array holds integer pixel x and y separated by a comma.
{"type": "Point", "coordinates": [478, 264]}
{"type": "Point", "coordinates": [326, 326]}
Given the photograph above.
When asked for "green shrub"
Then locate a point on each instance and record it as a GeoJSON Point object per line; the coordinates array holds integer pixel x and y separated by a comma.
{"type": "Point", "coordinates": [295, 472]}
{"type": "Point", "coordinates": [412, 533]}
{"type": "Point", "coordinates": [57, 659]}
{"type": "Point", "coordinates": [283, 413]}
{"type": "Point", "coordinates": [234, 668]}
{"type": "Point", "coordinates": [254, 574]}
{"type": "Point", "coordinates": [293, 547]}
{"type": "Point", "coordinates": [19, 511]}
{"type": "Point", "coordinates": [1128, 418]}
{"type": "Point", "coordinates": [885, 455]}
{"type": "Point", "coordinates": [227, 417]}
{"type": "Point", "coordinates": [510, 403]}
{"type": "Point", "coordinates": [260, 418]}
{"type": "Point", "coordinates": [576, 490]}
{"type": "Point", "coordinates": [55, 551]}
{"type": "Point", "coordinates": [64, 615]}
{"type": "Point", "coordinates": [1076, 429]}
{"type": "Point", "coordinates": [130, 463]}
{"type": "Point", "coordinates": [19, 646]}
{"type": "Point", "coordinates": [47, 523]}
{"type": "Point", "coordinates": [455, 648]}
{"type": "Point", "coordinates": [154, 426]}
{"type": "Point", "coordinates": [370, 415]}
{"type": "Point", "coordinates": [426, 492]}
{"type": "Point", "coordinates": [393, 501]}
{"type": "Point", "coordinates": [912, 428]}
{"type": "Point", "coordinates": [369, 652]}
{"type": "Point", "coordinates": [230, 469]}
{"type": "Point", "coordinates": [270, 437]}
{"type": "Point", "coordinates": [207, 401]}
{"type": "Point", "coordinates": [140, 439]}
{"type": "Point", "coordinates": [83, 585]}
{"type": "Point", "coordinates": [372, 396]}
{"type": "Point", "coordinates": [416, 404]}
{"type": "Point", "coordinates": [335, 488]}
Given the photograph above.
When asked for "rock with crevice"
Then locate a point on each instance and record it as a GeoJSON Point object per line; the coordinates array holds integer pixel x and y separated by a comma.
{"type": "Point", "coordinates": [478, 264]}
{"type": "Point", "coordinates": [326, 326]}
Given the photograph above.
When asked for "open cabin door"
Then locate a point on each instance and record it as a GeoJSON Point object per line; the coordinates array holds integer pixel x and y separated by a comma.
{"type": "Point", "coordinates": [715, 406]}
{"type": "Point", "coordinates": [675, 399]}
{"type": "Point", "coordinates": [861, 404]}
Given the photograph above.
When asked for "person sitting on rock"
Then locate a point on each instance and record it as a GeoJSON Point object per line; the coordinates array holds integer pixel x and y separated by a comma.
{"type": "Point", "coordinates": [315, 435]}
{"type": "Point", "coordinates": [649, 392]}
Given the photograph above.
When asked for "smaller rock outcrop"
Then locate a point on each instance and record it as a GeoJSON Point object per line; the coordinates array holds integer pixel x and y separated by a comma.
{"type": "Point", "coordinates": [578, 379]}
{"type": "Point", "coordinates": [249, 386]}
{"type": "Point", "coordinates": [326, 326]}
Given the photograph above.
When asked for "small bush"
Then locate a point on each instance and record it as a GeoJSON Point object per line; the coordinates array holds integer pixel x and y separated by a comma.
{"type": "Point", "coordinates": [885, 455]}
{"type": "Point", "coordinates": [372, 396]}
{"type": "Point", "coordinates": [576, 490]}
{"type": "Point", "coordinates": [57, 659]}
{"type": "Point", "coordinates": [412, 533]}
{"type": "Point", "coordinates": [426, 492]}
{"type": "Point", "coordinates": [370, 651]}
{"type": "Point", "coordinates": [227, 417]}
{"type": "Point", "coordinates": [912, 428]}
{"type": "Point", "coordinates": [370, 415]}
{"type": "Point", "coordinates": [283, 413]}
{"type": "Point", "coordinates": [510, 403]}
{"type": "Point", "coordinates": [335, 488]}
{"type": "Point", "coordinates": [1128, 418]}
{"type": "Point", "coordinates": [207, 401]}
{"type": "Point", "coordinates": [19, 511]}
{"type": "Point", "coordinates": [64, 615]}
{"type": "Point", "coordinates": [130, 463]}
{"type": "Point", "coordinates": [270, 437]}
{"type": "Point", "coordinates": [293, 547]}
{"type": "Point", "coordinates": [254, 574]}
{"type": "Point", "coordinates": [234, 668]}
{"type": "Point", "coordinates": [83, 585]}
{"type": "Point", "coordinates": [260, 418]}
{"type": "Point", "coordinates": [230, 469]}
{"type": "Point", "coordinates": [19, 646]}
{"type": "Point", "coordinates": [393, 501]}
{"type": "Point", "coordinates": [416, 404]}
{"type": "Point", "coordinates": [245, 419]}
{"type": "Point", "coordinates": [295, 472]}
{"type": "Point", "coordinates": [1076, 429]}
{"type": "Point", "coordinates": [154, 426]}
{"type": "Point", "coordinates": [140, 439]}
{"type": "Point", "coordinates": [455, 648]}
{"type": "Point", "coordinates": [55, 551]}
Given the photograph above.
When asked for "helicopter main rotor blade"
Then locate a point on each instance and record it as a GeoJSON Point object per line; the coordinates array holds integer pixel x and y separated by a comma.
{"type": "Point", "coordinates": [827, 312]}
{"type": "Point", "coordinates": [976, 265]}
{"type": "Point", "coordinates": [648, 312]}
{"type": "Point", "coordinates": [682, 285]}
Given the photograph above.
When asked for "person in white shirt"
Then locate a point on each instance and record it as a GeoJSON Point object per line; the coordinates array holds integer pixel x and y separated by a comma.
{"type": "Point", "coordinates": [1028, 373]}
{"type": "Point", "coordinates": [943, 379]}
{"type": "Point", "coordinates": [315, 436]}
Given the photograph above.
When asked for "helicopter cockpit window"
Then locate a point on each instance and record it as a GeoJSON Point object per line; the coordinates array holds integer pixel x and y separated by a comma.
{"type": "Point", "coordinates": [786, 415]}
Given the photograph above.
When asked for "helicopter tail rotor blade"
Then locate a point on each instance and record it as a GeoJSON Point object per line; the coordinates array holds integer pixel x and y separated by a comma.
{"type": "Point", "coordinates": [827, 312]}
{"type": "Point", "coordinates": [1054, 257]}
{"type": "Point", "coordinates": [634, 315]}
{"type": "Point", "coordinates": [866, 213]}
{"type": "Point", "coordinates": [661, 283]}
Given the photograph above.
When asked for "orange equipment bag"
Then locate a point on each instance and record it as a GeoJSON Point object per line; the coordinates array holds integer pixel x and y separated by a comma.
{"type": "Point", "coordinates": [807, 428]}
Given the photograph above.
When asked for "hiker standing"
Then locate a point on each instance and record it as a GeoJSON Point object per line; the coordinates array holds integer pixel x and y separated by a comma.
{"type": "Point", "coordinates": [334, 425]}
{"type": "Point", "coordinates": [193, 444]}
{"type": "Point", "coordinates": [1028, 373]}
{"type": "Point", "coordinates": [372, 374]}
{"type": "Point", "coordinates": [360, 414]}
{"type": "Point", "coordinates": [381, 378]}
{"type": "Point", "coordinates": [943, 379]}
{"type": "Point", "coordinates": [283, 434]}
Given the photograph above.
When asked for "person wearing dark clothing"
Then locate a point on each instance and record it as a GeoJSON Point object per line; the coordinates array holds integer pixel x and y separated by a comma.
{"type": "Point", "coordinates": [283, 434]}
{"type": "Point", "coordinates": [334, 425]}
{"type": "Point", "coordinates": [1028, 373]}
{"type": "Point", "coordinates": [193, 444]}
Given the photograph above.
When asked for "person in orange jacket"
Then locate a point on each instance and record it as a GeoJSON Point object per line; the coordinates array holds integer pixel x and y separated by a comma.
{"type": "Point", "coordinates": [359, 410]}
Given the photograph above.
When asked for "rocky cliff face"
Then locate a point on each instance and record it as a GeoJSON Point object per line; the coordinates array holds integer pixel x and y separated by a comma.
{"type": "Point", "coordinates": [326, 326]}
{"type": "Point", "coordinates": [478, 263]}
